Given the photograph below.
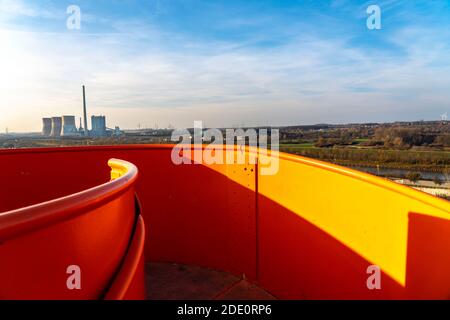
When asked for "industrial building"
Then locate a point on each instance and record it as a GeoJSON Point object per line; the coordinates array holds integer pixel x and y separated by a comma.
{"type": "Point", "coordinates": [98, 126]}
{"type": "Point", "coordinates": [46, 126]}
{"type": "Point", "coordinates": [56, 127]}
{"type": "Point", "coordinates": [59, 126]}
{"type": "Point", "coordinates": [65, 126]}
{"type": "Point", "coordinates": [68, 126]}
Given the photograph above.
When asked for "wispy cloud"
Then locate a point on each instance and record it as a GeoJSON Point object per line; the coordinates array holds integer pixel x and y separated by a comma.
{"type": "Point", "coordinates": [17, 8]}
{"type": "Point", "coordinates": [147, 71]}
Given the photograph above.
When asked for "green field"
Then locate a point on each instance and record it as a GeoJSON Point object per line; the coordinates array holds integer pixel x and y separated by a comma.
{"type": "Point", "coordinates": [297, 145]}
{"type": "Point", "coordinates": [437, 161]}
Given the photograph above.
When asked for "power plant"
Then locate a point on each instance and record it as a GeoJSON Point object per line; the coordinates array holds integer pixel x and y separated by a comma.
{"type": "Point", "coordinates": [46, 126]}
{"type": "Point", "coordinates": [68, 126]}
{"type": "Point", "coordinates": [56, 126]}
{"type": "Point", "coordinates": [86, 132]}
{"type": "Point", "coordinates": [65, 126]}
{"type": "Point", "coordinates": [98, 125]}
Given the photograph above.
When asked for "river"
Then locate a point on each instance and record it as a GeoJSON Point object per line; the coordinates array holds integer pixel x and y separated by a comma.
{"type": "Point", "coordinates": [400, 173]}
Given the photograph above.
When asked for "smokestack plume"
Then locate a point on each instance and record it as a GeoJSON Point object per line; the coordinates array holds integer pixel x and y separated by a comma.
{"type": "Point", "coordinates": [84, 113]}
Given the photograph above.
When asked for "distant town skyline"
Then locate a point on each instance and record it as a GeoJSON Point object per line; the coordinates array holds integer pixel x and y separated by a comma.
{"type": "Point", "coordinates": [226, 63]}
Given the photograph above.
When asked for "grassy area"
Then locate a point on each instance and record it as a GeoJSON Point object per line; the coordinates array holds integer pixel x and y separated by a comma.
{"type": "Point", "coordinates": [297, 145]}
{"type": "Point", "coordinates": [413, 160]}
{"type": "Point", "coordinates": [359, 140]}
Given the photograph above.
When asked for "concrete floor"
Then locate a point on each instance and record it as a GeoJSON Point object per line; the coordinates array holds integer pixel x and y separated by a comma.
{"type": "Point", "coordinates": [167, 281]}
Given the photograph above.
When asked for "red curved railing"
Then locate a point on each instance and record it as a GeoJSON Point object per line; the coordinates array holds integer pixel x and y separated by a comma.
{"type": "Point", "coordinates": [39, 243]}
{"type": "Point", "coordinates": [16, 222]}
{"type": "Point", "coordinates": [129, 283]}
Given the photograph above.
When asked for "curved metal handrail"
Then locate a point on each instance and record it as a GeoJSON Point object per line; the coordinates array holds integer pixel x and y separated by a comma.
{"type": "Point", "coordinates": [16, 222]}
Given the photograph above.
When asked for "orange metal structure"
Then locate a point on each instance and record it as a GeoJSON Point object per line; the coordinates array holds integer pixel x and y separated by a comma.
{"type": "Point", "coordinates": [310, 231]}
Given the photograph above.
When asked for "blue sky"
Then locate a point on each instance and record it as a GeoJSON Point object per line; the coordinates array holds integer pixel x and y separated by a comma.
{"type": "Point", "coordinates": [224, 62]}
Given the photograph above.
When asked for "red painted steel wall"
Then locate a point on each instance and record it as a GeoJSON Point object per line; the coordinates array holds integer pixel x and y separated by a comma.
{"type": "Point", "coordinates": [193, 214]}
{"type": "Point", "coordinates": [321, 226]}
{"type": "Point", "coordinates": [231, 218]}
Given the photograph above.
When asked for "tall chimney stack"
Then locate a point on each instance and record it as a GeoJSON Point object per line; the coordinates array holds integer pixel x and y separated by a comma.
{"type": "Point", "coordinates": [86, 132]}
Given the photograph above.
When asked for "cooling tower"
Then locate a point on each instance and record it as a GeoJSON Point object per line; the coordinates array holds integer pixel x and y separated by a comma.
{"type": "Point", "coordinates": [68, 126]}
{"type": "Point", "coordinates": [46, 126]}
{"type": "Point", "coordinates": [56, 126]}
